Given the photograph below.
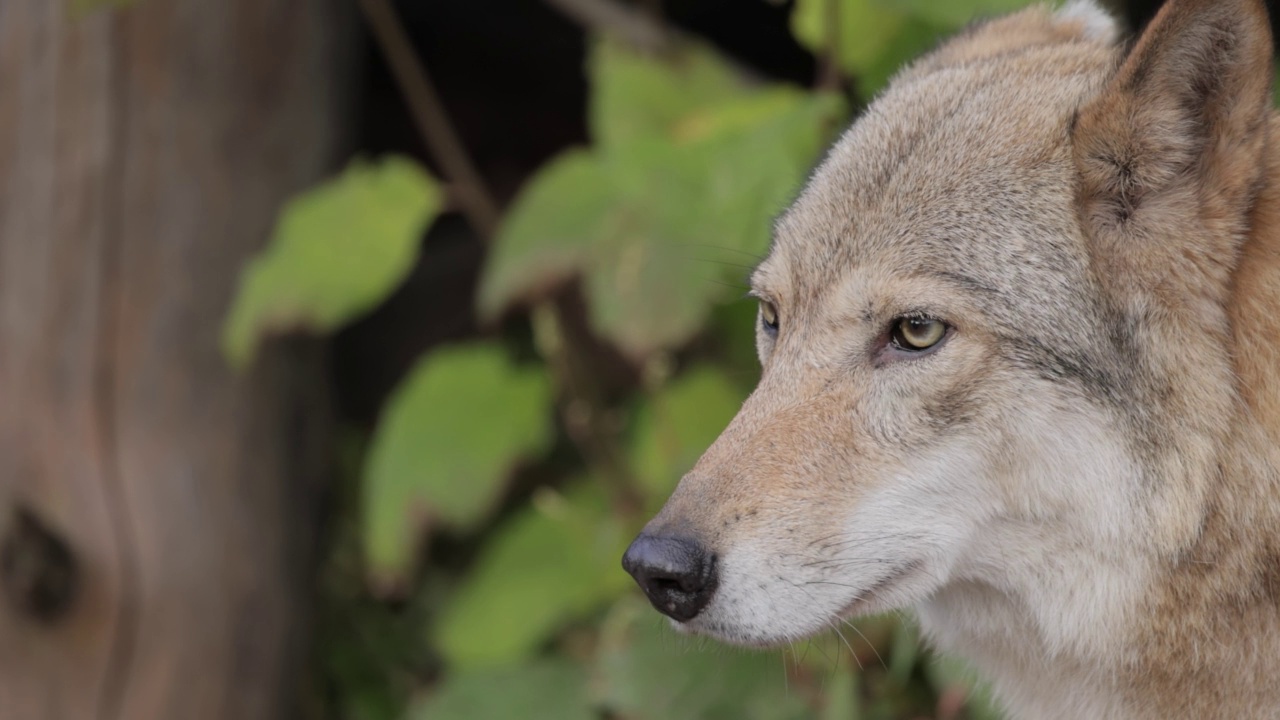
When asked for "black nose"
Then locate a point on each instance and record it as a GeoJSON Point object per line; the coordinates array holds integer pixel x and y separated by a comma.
{"type": "Point", "coordinates": [678, 575]}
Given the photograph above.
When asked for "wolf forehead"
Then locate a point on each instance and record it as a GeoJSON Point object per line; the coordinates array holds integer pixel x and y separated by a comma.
{"type": "Point", "coordinates": [970, 143]}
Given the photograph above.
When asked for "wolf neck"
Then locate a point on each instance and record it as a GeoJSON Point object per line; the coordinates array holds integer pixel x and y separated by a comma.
{"type": "Point", "coordinates": [1208, 637]}
{"type": "Point", "coordinates": [1215, 627]}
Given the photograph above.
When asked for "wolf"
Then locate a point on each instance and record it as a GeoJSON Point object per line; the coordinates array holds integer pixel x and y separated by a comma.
{"type": "Point", "coordinates": [1020, 347]}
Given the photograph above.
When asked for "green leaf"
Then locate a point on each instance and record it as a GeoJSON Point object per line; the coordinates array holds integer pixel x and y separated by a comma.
{"type": "Point", "coordinates": [677, 426]}
{"type": "Point", "coordinates": [646, 672]}
{"type": "Point", "coordinates": [543, 690]}
{"type": "Point", "coordinates": [755, 172]}
{"type": "Point", "coordinates": [448, 439]}
{"type": "Point", "coordinates": [914, 38]}
{"type": "Point", "coordinates": [645, 287]}
{"type": "Point", "coordinates": [336, 253]}
{"type": "Point", "coordinates": [548, 234]}
{"type": "Point", "coordinates": [867, 32]}
{"type": "Point", "coordinates": [731, 342]}
{"type": "Point", "coordinates": [905, 653]}
{"type": "Point", "coordinates": [949, 672]}
{"type": "Point", "coordinates": [877, 37]}
{"type": "Point", "coordinates": [842, 696]}
{"type": "Point", "coordinates": [954, 14]}
{"type": "Point", "coordinates": [691, 217]}
{"type": "Point", "coordinates": [636, 96]}
{"type": "Point", "coordinates": [549, 564]}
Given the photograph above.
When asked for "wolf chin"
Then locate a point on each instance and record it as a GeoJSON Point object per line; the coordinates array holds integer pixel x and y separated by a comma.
{"type": "Point", "coordinates": [1020, 338]}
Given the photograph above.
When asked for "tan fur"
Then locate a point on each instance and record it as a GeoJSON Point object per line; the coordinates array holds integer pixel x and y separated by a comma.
{"type": "Point", "coordinates": [1079, 489]}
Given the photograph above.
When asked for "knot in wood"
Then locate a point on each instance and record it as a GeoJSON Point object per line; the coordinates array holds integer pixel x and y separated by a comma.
{"type": "Point", "coordinates": [38, 572]}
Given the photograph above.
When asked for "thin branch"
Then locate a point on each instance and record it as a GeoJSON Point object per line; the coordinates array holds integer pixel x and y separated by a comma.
{"type": "Point", "coordinates": [611, 18]}
{"type": "Point", "coordinates": [474, 197]}
{"type": "Point", "coordinates": [596, 444]}
{"type": "Point", "coordinates": [583, 409]}
{"type": "Point", "coordinates": [830, 75]}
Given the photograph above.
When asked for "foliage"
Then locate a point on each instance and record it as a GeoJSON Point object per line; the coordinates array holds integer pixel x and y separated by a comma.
{"type": "Point", "coordinates": [336, 252]}
{"type": "Point", "coordinates": [677, 423]}
{"type": "Point", "coordinates": [555, 560]}
{"type": "Point", "coordinates": [504, 452]}
{"type": "Point", "coordinates": [450, 437]}
{"type": "Point", "coordinates": [547, 689]}
{"type": "Point", "coordinates": [623, 216]}
{"type": "Point", "coordinates": [876, 37]}
{"type": "Point", "coordinates": [648, 674]}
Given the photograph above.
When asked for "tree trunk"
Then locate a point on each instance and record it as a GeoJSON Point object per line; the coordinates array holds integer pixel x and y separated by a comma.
{"type": "Point", "coordinates": [157, 513]}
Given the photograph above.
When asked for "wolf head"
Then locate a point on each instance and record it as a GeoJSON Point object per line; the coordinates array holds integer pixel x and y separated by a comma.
{"type": "Point", "coordinates": [995, 348]}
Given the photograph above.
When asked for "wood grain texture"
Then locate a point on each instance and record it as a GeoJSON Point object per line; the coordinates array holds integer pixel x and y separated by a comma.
{"type": "Point", "coordinates": [143, 155]}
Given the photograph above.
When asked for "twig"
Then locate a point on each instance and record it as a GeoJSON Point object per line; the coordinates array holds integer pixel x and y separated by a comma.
{"type": "Point", "coordinates": [829, 75]}
{"type": "Point", "coordinates": [593, 441]}
{"type": "Point", "coordinates": [582, 408]}
{"type": "Point", "coordinates": [612, 18]}
{"type": "Point", "coordinates": [424, 103]}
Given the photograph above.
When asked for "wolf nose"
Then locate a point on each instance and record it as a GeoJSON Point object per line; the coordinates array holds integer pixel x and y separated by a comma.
{"type": "Point", "coordinates": [677, 575]}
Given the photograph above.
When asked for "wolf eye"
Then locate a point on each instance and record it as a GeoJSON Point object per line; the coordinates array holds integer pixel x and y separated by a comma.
{"type": "Point", "coordinates": [914, 334]}
{"type": "Point", "coordinates": [769, 316]}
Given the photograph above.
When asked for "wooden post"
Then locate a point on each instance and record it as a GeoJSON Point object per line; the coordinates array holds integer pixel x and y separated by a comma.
{"type": "Point", "coordinates": [156, 513]}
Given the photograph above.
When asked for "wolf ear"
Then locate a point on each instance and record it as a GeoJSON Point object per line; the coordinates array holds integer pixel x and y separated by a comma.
{"type": "Point", "coordinates": [1170, 152]}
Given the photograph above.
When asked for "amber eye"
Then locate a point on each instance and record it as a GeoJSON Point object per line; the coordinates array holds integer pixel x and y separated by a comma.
{"type": "Point", "coordinates": [769, 316]}
{"type": "Point", "coordinates": [918, 333]}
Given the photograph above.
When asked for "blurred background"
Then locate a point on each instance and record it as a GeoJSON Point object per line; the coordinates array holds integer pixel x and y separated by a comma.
{"type": "Point", "coordinates": [345, 344]}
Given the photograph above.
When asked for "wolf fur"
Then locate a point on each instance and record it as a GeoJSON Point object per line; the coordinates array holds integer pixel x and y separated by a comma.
{"type": "Point", "coordinates": [1078, 489]}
